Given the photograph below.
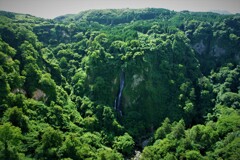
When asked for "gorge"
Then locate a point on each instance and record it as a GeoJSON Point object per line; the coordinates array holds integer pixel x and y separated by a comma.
{"type": "Point", "coordinates": [95, 85]}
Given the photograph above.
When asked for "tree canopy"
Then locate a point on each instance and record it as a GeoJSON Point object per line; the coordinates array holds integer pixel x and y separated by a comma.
{"type": "Point", "coordinates": [108, 84]}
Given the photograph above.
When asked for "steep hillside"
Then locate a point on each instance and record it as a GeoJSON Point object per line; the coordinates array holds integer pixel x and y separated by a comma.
{"type": "Point", "coordinates": [97, 84]}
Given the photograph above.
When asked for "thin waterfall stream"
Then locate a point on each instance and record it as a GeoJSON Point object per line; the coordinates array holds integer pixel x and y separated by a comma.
{"type": "Point", "coordinates": [117, 103]}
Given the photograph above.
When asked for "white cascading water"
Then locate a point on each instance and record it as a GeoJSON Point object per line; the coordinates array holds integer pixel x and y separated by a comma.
{"type": "Point", "coordinates": [117, 101]}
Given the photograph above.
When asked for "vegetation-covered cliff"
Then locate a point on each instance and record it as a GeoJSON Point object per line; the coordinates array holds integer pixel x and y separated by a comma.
{"type": "Point", "coordinates": [95, 85]}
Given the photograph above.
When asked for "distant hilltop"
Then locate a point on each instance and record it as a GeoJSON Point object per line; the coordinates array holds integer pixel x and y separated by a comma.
{"type": "Point", "coordinates": [221, 12]}
{"type": "Point", "coordinates": [118, 16]}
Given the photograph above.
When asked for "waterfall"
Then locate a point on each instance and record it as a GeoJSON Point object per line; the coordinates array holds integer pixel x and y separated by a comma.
{"type": "Point", "coordinates": [117, 102]}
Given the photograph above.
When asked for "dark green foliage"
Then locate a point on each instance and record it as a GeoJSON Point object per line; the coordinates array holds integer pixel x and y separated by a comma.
{"type": "Point", "coordinates": [217, 138]}
{"type": "Point", "coordinates": [10, 139]}
{"type": "Point", "coordinates": [15, 116]}
{"type": "Point", "coordinates": [48, 86]}
{"type": "Point", "coordinates": [50, 144]}
{"type": "Point", "coordinates": [162, 131]}
{"type": "Point", "coordinates": [124, 144]}
{"type": "Point", "coordinates": [60, 81]}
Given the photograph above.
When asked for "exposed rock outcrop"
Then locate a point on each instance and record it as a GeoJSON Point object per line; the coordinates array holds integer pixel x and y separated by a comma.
{"type": "Point", "coordinates": [200, 48]}
{"type": "Point", "coordinates": [217, 51]}
{"type": "Point", "coordinates": [39, 95]}
{"type": "Point", "coordinates": [137, 79]}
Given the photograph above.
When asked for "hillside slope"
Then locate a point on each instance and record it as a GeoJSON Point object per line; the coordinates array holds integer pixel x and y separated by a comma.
{"type": "Point", "coordinates": [95, 85]}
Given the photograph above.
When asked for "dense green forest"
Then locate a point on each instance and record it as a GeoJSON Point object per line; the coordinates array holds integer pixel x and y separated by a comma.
{"type": "Point", "coordinates": [107, 84]}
